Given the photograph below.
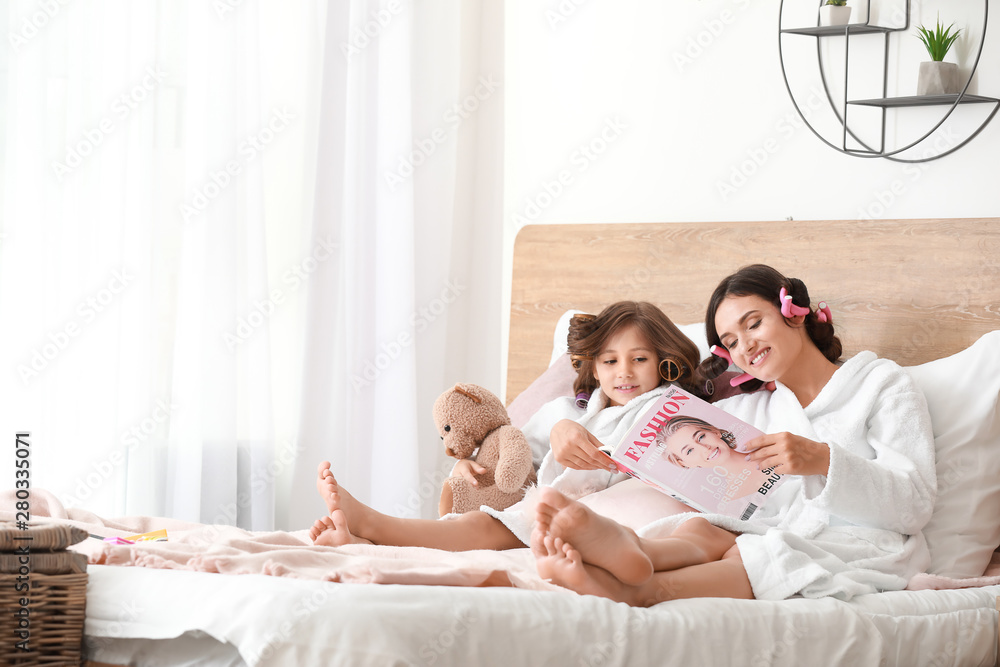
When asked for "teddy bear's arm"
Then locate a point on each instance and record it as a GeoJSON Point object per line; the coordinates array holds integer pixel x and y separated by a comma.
{"type": "Point", "coordinates": [514, 464]}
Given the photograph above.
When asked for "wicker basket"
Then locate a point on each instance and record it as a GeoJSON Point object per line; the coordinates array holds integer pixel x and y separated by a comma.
{"type": "Point", "coordinates": [57, 604]}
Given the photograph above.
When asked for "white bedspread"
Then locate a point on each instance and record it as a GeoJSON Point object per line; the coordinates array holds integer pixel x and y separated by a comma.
{"type": "Point", "coordinates": [280, 621]}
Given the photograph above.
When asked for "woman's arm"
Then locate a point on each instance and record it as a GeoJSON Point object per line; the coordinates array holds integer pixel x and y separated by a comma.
{"type": "Point", "coordinates": [888, 480]}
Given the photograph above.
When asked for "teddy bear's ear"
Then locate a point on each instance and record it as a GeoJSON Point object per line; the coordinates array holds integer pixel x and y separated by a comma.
{"type": "Point", "coordinates": [464, 392]}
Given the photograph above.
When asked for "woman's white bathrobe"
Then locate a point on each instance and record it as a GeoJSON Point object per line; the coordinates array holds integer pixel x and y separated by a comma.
{"type": "Point", "coordinates": [856, 530]}
{"type": "Point", "coordinates": [609, 425]}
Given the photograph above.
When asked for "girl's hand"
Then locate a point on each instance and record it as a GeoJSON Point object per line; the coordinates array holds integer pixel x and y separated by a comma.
{"type": "Point", "coordinates": [792, 454]}
{"type": "Point", "coordinates": [574, 447]}
{"type": "Point", "coordinates": [468, 469]}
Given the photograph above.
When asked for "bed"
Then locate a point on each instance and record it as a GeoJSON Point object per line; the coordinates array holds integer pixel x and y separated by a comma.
{"type": "Point", "coordinates": [914, 291]}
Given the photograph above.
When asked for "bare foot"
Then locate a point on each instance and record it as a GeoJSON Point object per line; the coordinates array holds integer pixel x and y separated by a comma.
{"type": "Point", "coordinates": [332, 531]}
{"type": "Point", "coordinates": [599, 540]}
{"type": "Point", "coordinates": [326, 485]}
{"type": "Point", "coordinates": [356, 514]}
{"type": "Point", "coordinates": [561, 564]}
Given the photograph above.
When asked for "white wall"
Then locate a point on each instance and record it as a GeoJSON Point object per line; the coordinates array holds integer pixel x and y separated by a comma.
{"type": "Point", "coordinates": [690, 99]}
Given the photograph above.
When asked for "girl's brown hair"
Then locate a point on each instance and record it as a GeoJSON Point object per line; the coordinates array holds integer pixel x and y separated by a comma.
{"type": "Point", "coordinates": [763, 281]}
{"type": "Point", "coordinates": [677, 355]}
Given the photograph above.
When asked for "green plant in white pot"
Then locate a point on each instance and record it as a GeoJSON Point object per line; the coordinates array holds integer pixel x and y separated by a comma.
{"type": "Point", "coordinates": [834, 12]}
{"type": "Point", "coordinates": [938, 77]}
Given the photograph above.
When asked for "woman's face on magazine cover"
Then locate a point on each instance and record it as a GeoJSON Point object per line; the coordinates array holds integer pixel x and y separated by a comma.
{"type": "Point", "coordinates": [698, 447]}
{"type": "Point", "coordinates": [626, 366]}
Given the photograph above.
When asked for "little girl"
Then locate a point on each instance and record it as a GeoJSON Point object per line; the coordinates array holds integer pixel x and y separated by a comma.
{"type": "Point", "coordinates": [623, 357]}
{"type": "Point", "coordinates": [855, 439]}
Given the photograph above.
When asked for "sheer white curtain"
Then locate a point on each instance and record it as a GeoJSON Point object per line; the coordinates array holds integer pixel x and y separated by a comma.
{"type": "Point", "coordinates": [153, 209]}
{"type": "Point", "coordinates": [239, 238]}
{"type": "Point", "coordinates": [409, 177]}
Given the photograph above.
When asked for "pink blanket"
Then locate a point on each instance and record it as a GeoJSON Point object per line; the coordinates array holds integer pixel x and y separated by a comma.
{"type": "Point", "coordinates": [229, 550]}
{"type": "Point", "coordinates": [936, 582]}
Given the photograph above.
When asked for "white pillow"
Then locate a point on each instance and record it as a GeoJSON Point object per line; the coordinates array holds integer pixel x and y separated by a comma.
{"type": "Point", "coordinates": [559, 344]}
{"type": "Point", "coordinates": [963, 392]}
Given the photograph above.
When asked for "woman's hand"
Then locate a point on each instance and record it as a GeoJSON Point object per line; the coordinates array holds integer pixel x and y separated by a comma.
{"type": "Point", "coordinates": [791, 454]}
{"type": "Point", "coordinates": [468, 469]}
{"type": "Point", "coordinates": [574, 447]}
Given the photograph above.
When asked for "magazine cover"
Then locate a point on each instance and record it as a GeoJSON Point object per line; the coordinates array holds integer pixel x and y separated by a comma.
{"type": "Point", "coordinates": [694, 452]}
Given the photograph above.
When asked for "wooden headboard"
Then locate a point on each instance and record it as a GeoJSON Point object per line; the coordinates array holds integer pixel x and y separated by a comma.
{"type": "Point", "coordinates": [910, 290]}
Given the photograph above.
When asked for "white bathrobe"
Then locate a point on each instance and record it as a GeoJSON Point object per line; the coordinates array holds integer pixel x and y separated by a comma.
{"type": "Point", "coordinates": [857, 529]}
{"type": "Point", "coordinates": [609, 425]}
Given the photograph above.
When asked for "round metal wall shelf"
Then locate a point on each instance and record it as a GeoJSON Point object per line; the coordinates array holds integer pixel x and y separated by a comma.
{"type": "Point", "coordinates": [884, 103]}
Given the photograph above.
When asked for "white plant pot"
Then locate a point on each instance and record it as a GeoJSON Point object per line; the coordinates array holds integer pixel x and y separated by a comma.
{"type": "Point", "coordinates": [938, 78]}
{"type": "Point", "coordinates": [834, 15]}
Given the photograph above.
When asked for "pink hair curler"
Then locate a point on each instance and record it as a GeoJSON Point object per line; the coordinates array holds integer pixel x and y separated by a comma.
{"type": "Point", "coordinates": [823, 312]}
{"type": "Point", "coordinates": [721, 352]}
{"type": "Point", "coordinates": [789, 309]}
{"type": "Point", "coordinates": [724, 353]}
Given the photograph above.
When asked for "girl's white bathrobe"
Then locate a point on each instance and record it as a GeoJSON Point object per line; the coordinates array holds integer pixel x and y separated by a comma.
{"type": "Point", "coordinates": [857, 529]}
{"type": "Point", "coordinates": [609, 425]}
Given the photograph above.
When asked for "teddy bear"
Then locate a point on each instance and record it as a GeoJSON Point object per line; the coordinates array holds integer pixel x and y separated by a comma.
{"type": "Point", "coordinates": [468, 417]}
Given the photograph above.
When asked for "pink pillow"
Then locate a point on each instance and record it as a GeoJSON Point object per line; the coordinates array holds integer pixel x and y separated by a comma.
{"type": "Point", "coordinates": [556, 381]}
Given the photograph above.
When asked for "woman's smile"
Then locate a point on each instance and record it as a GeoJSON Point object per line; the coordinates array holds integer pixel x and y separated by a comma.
{"type": "Point", "coordinates": [757, 360]}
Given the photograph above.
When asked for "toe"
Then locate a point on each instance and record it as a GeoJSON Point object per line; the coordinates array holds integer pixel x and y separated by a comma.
{"type": "Point", "coordinates": [544, 514]}
{"type": "Point", "coordinates": [538, 542]}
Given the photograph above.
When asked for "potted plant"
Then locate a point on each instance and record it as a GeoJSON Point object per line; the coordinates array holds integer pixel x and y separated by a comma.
{"type": "Point", "coordinates": [938, 77]}
{"type": "Point", "coordinates": [834, 12]}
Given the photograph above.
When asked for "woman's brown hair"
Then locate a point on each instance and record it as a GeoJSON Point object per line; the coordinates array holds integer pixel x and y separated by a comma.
{"type": "Point", "coordinates": [677, 355]}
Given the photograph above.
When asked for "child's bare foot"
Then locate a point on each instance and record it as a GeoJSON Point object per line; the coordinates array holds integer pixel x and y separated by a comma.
{"type": "Point", "coordinates": [599, 540]}
{"type": "Point", "coordinates": [326, 485]}
{"type": "Point", "coordinates": [561, 564]}
{"type": "Point", "coordinates": [332, 531]}
{"type": "Point", "coordinates": [356, 514]}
